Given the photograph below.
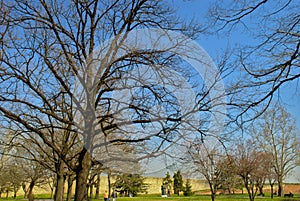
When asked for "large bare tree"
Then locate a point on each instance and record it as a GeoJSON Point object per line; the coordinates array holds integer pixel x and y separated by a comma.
{"type": "Point", "coordinates": [276, 134]}
{"type": "Point", "coordinates": [78, 80]}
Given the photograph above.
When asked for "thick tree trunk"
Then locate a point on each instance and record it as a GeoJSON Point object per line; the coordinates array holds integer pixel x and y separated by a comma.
{"type": "Point", "coordinates": [59, 190]}
{"type": "Point", "coordinates": [82, 173]}
{"type": "Point", "coordinates": [60, 181]}
{"type": "Point", "coordinates": [85, 159]}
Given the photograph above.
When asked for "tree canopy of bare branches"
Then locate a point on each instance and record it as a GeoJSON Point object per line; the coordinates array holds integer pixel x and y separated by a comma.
{"type": "Point", "coordinates": [269, 50]}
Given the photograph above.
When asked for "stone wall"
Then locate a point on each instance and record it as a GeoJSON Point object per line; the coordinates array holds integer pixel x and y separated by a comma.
{"type": "Point", "coordinates": [155, 185]}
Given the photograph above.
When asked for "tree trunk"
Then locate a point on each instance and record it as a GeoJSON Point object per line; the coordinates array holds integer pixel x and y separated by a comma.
{"type": "Point", "coordinates": [272, 191]}
{"type": "Point", "coordinates": [109, 183]}
{"type": "Point", "coordinates": [250, 190]}
{"type": "Point", "coordinates": [15, 194]}
{"type": "Point", "coordinates": [250, 193]}
{"type": "Point", "coordinates": [25, 190]}
{"type": "Point", "coordinates": [82, 173]}
{"type": "Point", "coordinates": [60, 180]}
{"type": "Point", "coordinates": [70, 185]}
{"type": "Point", "coordinates": [91, 191]}
{"type": "Point", "coordinates": [30, 191]}
{"type": "Point", "coordinates": [97, 195]}
{"type": "Point", "coordinates": [212, 191]}
{"type": "Point", "coordinates": [52, 188]}
{"type": "Point", "coordinates": [280, 188]}
{"type": "Point", "coordinates": [51, 193]}
{"type": "Point", "coordinates": [212, 196]}
{"type": "Point", "coordinates": [261, 190]}
{"type": "Point", "coordinates": [59, 190]}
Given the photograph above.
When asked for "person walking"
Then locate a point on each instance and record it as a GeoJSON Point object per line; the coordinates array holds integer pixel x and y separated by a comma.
{"type": "Point", "coordinates": [105, 196]}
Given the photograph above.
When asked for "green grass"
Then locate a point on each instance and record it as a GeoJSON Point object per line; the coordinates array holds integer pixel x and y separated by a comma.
{"type": "Point", "coordinates": [204, 198]}
{"type": "Point", "coordinates": [180, 198]}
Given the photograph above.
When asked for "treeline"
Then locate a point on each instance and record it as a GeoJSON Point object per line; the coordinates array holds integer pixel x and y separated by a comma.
{"type": "Point", "coordinates": [17, 174]}
{"type": "Point", "coordinates": [265, 157]}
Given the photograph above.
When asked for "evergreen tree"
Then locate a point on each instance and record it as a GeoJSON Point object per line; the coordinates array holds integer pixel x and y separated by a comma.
{"type": "Point", "coordinates": [167, 182]}
{"type": "Point", "coordinates": [178, 182]}
{"type": "Point", "coordinates": [132, 184]}
{"type": "Point", "coordinates": [187, 188]}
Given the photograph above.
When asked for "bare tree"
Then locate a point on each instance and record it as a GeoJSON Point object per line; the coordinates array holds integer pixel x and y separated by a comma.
{"type": "Point", "coordinates": [206, 160]}
{"type": "Point", "coordinates": [35, 176]}
{"type": "Point", "coordinates": [29, 147]}
{"type": "Point", "coordinates": [10, 179]}
{"type": "Point", "coordinates": [270, 171]}
{"type": "Point", "coordinates": [246, 165]}
{"type": "Point", "coordinates": [263, 171]}
{"type": "Point", "coordinates": [277, 135]}
{"type": "Point", "coordinates": [70, 98]}
{"type": "Point", "coordinates": [229, 180]}
{"type": "Point", "coordinates": [20, 171]}
{"type": "Point", "coordinates": [15, 175]}
{"type": "Point", "coordinates": [51, 183]}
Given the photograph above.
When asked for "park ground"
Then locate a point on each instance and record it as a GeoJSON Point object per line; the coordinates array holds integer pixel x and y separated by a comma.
{"type": "Point", "coordinates": [156, 197]}
{"type": "Point", "coordinates": [200, 196]}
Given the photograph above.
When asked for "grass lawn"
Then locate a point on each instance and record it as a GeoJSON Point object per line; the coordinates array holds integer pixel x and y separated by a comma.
{"type": "Point", "coordinates": [180, 198]}
{"type": "Point", "coordinates": [205, 198]}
